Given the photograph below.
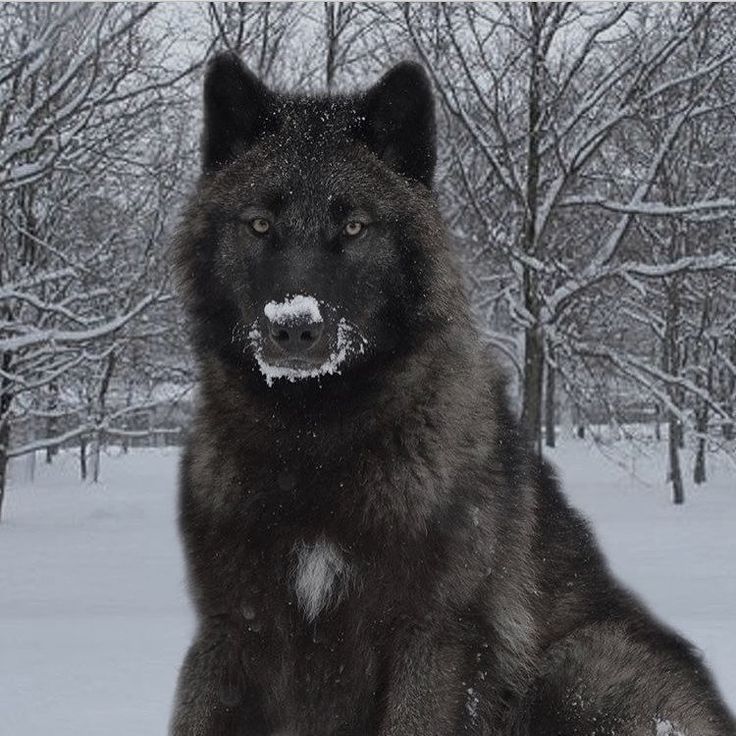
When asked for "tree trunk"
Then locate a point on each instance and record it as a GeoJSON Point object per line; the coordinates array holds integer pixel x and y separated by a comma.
{"type": "Point", "coordinates": [728, 431]}
{"type": "Point", "coordinates": [99, 434]}
{"type": "Point", "coordinates": [699, 475]}
{"type": "Point", "coordinates": [4, 441]}
{"type": "Point", "coordinates": [729, 428]}
{"type": "Point", "coordinates": [5, 400]}
{"type": "Point", "coordinates": [83, 458]}
{"type": "Point", "coordinates": [531, 413]}
{"type": "Point", "coordinates": [673, 363]}
{"type": "Point", "coordinates": [331, 33]}
{"type": "Point", "coordinates": [701, 427]}
{"type": "Point", "coordinates": [678, 489]}
{"type": "Point", "coordinates": [51, 423]}
{"type": "Point", "coordinates": [96, 450]}
{"type": "Point", "coordinates": [125, 442]}
{"type": "Point", "coordinates": [549, 402]}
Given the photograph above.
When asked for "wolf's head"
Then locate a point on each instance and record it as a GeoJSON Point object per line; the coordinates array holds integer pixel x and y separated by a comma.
{"type": "Point", "coordinates": [313, 249]}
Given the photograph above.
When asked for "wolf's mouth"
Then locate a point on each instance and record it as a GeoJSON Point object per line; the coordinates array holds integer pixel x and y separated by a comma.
{"type": "Point", "coordinates": [348, 342]}
{"type": "Point", "coordinates": [337, 341]}
{"type": "Point", "coordinates": [295, 364]}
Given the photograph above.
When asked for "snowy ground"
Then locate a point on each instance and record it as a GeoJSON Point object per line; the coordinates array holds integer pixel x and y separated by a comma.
{"type": "Point", "coordinates": [94, 618]}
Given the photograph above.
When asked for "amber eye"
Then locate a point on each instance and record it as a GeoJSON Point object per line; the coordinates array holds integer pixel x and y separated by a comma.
{"type": "Point", "coordinates": [353, 228]}
{"type": "Point", "coordinates": [260, 225]}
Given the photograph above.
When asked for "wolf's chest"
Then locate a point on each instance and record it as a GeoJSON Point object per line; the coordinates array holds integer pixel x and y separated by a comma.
{"type": "Point", "coordinates": [321, 576]}
{"type": "Point", "coordinates": [294, 584]}
{"type": "Point", "coordinates": [313, 653]}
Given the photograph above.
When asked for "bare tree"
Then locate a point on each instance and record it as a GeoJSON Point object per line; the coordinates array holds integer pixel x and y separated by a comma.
{"type": "Point", "coordinates": [542, 100]}
{"type": "Point", "coordinates": [86, 92]}
{"type": "Point", "coordinates": [259, 32]}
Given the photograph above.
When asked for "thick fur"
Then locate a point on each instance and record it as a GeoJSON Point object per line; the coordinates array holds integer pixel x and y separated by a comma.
{"type": "Point", "coordinates": [375, 552]}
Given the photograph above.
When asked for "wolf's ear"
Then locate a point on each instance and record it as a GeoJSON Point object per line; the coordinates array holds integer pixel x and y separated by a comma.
{"type": "Point", "coordinates": [400, 125]}
{"type": "Point", "coordinates": [234, 109]}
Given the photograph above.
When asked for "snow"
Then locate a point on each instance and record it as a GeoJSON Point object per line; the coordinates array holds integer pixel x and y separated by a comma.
{"type": "Point", "coordinates": [471, 704]}
{"type": "Point", "coordinates": [94, 616]}
{"type": "Point", "coordinates": [95, 620]}
{"type": "Point", "coordinates": [665, 728]}
{"type": "Point", "coordinates": [349, 342]}
{"type": "Point", "coordinates": [292, 308]}
{"type": "Point", "coordinates": [680, 560]}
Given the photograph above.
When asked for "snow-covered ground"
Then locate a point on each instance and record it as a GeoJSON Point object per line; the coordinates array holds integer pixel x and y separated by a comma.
{"type": "Point", "coordinates": [94, 618]}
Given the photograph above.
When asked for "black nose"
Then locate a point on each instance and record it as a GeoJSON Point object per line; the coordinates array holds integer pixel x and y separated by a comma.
{"type": "Point", "coordinates": [297, 336]}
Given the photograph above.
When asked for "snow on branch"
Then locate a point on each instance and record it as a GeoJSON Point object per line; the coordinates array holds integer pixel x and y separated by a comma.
{"type": "Point", "coordinates": [650, 208]}
{"type": "Point", "coordinates": [61, 337]}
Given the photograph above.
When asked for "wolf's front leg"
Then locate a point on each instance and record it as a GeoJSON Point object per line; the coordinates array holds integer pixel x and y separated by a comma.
{"type": "Point", "coordinates": [213, 698]}
{"type": "Point", "coordinates": [425, 688]}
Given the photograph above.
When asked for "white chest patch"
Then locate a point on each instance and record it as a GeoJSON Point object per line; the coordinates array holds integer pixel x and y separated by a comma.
{"type": "Point", "coordinates": [321, 577]}
{"type": "Point", "coordinates": [665, 728]}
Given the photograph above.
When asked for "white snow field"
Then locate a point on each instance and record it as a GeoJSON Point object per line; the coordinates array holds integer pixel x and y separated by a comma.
{"type": "Point", "coordinates": [94, 617]}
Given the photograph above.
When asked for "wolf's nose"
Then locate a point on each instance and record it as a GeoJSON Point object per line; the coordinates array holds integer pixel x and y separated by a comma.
{"type": "Point", "coordinates": [296, 337]}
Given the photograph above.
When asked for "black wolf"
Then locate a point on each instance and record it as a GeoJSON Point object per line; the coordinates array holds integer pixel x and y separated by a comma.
{"type": "Point", "coordinates": [371, 549]}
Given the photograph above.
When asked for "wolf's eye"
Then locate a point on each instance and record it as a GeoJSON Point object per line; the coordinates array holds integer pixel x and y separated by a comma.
{"type": "Point", "coordinates": [353, 228]}
{"type": "Point", "coordinates": [260, 225]}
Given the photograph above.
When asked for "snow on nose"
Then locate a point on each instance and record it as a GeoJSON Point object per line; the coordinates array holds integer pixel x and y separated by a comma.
{"type": "Point", "coordinates": [297, 308]}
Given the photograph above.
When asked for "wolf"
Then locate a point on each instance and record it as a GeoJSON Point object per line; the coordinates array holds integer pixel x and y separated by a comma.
{"type": "Point", "coordinates": [372, 548]}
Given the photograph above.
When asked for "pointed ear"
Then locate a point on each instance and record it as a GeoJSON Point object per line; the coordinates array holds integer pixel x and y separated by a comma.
{"type": "Point", "coordinates": [400, 125]}
{"type": "Point", "coordinates": [235, 104]}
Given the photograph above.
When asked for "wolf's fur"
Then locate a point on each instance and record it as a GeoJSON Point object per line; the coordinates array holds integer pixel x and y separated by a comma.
{"type": "Point", "coordinates": [375, 552]}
